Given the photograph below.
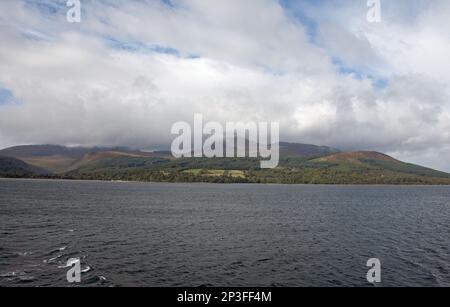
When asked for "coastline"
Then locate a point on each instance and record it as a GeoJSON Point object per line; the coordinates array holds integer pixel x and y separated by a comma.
{"type": "Point", "coordinates": [225, 183]}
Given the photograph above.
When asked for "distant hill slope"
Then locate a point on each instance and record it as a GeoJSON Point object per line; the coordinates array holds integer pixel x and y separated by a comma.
{"type": "Point", "coordinates": [59, 159]}
{"type": "Point", "coordinates": [47, 150]}
{"type": "Point", "coordinates": [10, 167]}
{"type": "Point", "coordinates": [374, 161]}
{"type": "Point", "coordinates": [305, 150]}
{"type": "Point", "coordinates": [356, 157]}
{"type": "Point", "coordinates": [57, 150]}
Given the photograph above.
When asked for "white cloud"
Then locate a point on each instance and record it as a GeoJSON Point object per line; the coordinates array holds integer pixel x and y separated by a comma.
{"type": "Point", "coordinates": [253, 60]}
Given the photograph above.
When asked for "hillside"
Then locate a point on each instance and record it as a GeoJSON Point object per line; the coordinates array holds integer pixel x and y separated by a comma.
{"type": "Point", "coordinates": [10, 167]}
{"type": "Point", "coordinates": [305, 150]}
{"type": "Point", "coordinates": [299, 164]}
{"type": "Point", "coordinates": [59, 159]}
{"type": "Point", "coordinates": [368, 161]}
{"type": "Point", "coordinates": [49, 150]}
{"type": "Point", "coordinates": [356, 157]}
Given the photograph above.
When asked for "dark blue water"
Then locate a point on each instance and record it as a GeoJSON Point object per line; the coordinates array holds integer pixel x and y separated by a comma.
{"type": "Point", "coordinates": [146, 234]}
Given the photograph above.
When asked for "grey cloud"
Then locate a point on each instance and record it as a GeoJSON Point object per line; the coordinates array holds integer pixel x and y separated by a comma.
{"type": "Point", "coordinates": [77, 90]}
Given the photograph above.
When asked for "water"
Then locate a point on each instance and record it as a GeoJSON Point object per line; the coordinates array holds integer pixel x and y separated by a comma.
{"type": "Point", "coordinates": [155, 234]}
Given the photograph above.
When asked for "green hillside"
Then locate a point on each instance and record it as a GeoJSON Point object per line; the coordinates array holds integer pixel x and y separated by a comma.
{"type": "Point", "coordinates": [299, 164]}
{"type": "Point", "coordinates": [298, 170]}
{"type": "Point", "coordinates": [14, 168]}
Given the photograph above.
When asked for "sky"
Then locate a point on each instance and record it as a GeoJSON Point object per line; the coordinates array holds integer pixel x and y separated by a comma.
{"type": "Point", "coordinates": [130, 69]}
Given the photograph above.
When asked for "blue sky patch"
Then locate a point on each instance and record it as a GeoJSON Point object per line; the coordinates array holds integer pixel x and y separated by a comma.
{"type": "Point", "coordinates": [343, 69]}
{"type": "Point", "coordinates": [146, 48]}
{"type": "Point", "coordinates": [378, 82]}
{"type": "Point", "coordinates": [48, 7]}
{"type": "Point", "coordinates": [140, 47]}
{"type": "Point", "coordinates": [168, 3]}
{"type": "Point", "coordinates": [36, 36]}
{"type": "Point", "coordinates": [6, 96]}
{"type": "Point", "coordinates": [297, 11]}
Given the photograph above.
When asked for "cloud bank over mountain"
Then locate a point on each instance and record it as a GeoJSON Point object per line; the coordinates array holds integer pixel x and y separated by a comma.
{"type": "Point", "coordinates": [131, 69]}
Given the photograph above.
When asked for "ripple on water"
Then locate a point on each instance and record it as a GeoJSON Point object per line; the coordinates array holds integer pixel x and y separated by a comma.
{"type": "Point", "coordinates": [222, 235]}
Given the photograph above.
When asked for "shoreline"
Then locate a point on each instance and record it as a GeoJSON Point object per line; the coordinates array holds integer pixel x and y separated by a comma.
{"type": "Point", "coordinates": [225, 183]}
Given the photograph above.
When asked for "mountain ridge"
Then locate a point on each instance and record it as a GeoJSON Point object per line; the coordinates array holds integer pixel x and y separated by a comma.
{"type": "Point", "coordinates": [299, 163]}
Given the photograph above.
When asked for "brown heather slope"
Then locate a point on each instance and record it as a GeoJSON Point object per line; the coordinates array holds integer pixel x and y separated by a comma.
{"type": "Point", "coordinates": [356, 157]}
{"type": "Point", "coordinates": [61, 164]}
{"type": "Point", "coordinates": [55, 164]}
{"type": "Point", "coordinates": [59, 159]}
{"type": "Point", "coordinates": [94, 157]}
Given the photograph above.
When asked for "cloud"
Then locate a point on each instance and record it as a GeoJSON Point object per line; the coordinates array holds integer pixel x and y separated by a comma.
{"type": "Point", "coordinates": [132, 68]}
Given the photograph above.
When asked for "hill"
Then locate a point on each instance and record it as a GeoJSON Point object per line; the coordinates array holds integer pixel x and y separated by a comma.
{"type": "Point", "coordinates": [368, 161]}
{"type": "Point", "coordinates": [10, 167]}
{"type": "Point", "coordinates": [305, 150]}
{"type": "Point", "coordinates": [59, 159]}
{"type": "Point", "coordinates": [299, 164]}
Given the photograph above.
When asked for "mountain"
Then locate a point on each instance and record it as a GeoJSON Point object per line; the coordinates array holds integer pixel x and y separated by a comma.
{"type": "Point", "coordinates": [10, 167]}
{"type": "Point", "coordinates": [59, 159]}
{"type": "Point", "coordinates": [299, 163]}
{"type": "Point", "coordinates": [377, 166]}
{"type": "Point", "coordinates": [49, 150]}
{"type": "Point", "coordinates": [375, 161]}
{"type": "Point", "coordinates": [305, 150]}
